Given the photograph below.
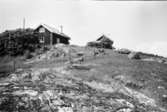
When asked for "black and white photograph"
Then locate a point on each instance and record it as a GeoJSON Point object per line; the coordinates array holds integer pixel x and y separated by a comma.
{"type": "Point", "coordinates": [83, 56]}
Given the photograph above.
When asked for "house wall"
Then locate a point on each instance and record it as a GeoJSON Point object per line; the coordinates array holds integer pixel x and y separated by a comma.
{"type": "Point", "coordinates": [55, 37]}
{"type": "Point", "coordinates": [61, 39]}
{"type": "Point", "coordinates": [65, 41]}
{"type": "Point", "coordinates": [45, 34]}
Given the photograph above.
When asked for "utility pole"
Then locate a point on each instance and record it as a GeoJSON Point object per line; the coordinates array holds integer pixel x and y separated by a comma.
{"type": "Point", "coordinates": [11, 51]}
{"type": "Point", "coordinates": [61, 28]}
{"type": "Point", "coordinates": [51, 39]}
{"type": "Point", "coordinates": [24, 22]}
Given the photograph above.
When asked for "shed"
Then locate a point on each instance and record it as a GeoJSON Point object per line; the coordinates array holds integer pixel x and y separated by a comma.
{"type": "Point", "coordinates": [102, 42]}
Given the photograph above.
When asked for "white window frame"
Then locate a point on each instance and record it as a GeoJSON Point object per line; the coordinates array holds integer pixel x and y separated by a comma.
{"type": "Point", "coordinates": [41, 30]}
{"type": "Point", "coordinates": [42, 39]}
{"type": "Point", "coordinates": [58, 40]}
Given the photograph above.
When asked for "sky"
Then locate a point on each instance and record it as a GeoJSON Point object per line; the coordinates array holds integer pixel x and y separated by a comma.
{"type": "Point", "coordinates": [136, 25]}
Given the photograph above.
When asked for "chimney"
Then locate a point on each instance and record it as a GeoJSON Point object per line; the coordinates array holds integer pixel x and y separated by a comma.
{"type": "Point", "coordinates": [61, 29]}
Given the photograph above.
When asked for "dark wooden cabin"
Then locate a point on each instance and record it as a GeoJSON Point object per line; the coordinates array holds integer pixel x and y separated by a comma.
{"type": "Point", "coordinates": [102, 42]}
{"type": "Point", "coordinates": [50, 36]}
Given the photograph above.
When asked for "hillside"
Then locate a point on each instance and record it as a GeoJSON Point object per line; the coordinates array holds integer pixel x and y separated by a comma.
{"type": "Point", "coordinates": [59, 80]}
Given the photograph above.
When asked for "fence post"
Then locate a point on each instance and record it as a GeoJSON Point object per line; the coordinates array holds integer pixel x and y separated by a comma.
{"type": "Point", "coordinates": [14, 64]}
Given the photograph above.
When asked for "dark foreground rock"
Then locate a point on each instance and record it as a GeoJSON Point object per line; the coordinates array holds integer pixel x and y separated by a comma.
{"type": "Point", "coordinates": [52, 91]}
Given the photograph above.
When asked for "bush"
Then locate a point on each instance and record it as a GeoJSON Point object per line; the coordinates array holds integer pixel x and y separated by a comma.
{"type": "Point", "coordinates": [27, 54]}
{"type": "Point", "coordinates": [38, 51]}
{"type": "Point", "coordinates": [44, 49]}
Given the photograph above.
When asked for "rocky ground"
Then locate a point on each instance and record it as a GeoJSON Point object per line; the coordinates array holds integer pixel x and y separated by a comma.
{"type": "Point", "coordinates": [109, 82]}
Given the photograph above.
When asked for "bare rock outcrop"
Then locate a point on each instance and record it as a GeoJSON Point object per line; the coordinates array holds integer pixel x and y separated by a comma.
{"type": "Point", "coordinates": [134, 55]}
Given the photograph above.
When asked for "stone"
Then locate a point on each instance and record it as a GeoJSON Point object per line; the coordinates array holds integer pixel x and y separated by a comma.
{"type": "Point", "coordinates": [125, 110]}
{"type": "Point", "coordinates": [124, 102]}
{"type": "Point", "coordinates": [134, 55]}
{"type": "Point", "coordinates": [27, 92]}
{"type": "Point", "coordinates": [65, 109]}
{"type": "Point", "coordinates": [124, 51]}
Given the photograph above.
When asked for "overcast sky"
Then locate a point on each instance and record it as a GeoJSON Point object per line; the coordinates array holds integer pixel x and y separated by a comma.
{"type": "Point", "coordinates": [137, 25]}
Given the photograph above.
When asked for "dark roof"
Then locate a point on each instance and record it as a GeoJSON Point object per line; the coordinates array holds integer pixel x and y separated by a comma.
{"type": "Point", "coordinates": [53, 30]}
{"type": "Point", "coordinates": [104, 38]}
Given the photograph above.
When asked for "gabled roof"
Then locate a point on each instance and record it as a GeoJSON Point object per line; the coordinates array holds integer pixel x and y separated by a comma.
{"type": "Point", "coordinates": [53, 30]}
{"type": "Point", "coordinates": [104, 38]}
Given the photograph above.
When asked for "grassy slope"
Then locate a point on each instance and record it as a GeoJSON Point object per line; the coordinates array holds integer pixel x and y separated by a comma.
{"type": "Point", "coordinates": [149, 78]}
{"type": "Point", "coordinates": [113, 71]}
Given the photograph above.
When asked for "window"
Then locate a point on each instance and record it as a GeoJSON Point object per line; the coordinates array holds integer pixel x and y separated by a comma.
{"type": "Point", "coordinates": [42, 39]}
{"type": "Point", "coordinates": [42, 30]}
{"type": "Point", "coordinates": [58, 40]}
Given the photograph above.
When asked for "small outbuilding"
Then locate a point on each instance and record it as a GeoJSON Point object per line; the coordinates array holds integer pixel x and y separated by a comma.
{"type": "Point", "coordinates": [50, 36]}
{"type": "Point", "coordinates": [102, 42]}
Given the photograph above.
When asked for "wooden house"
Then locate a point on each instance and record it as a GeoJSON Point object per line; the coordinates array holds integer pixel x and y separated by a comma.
{"type": "Point", "coordinates": [50, 36]}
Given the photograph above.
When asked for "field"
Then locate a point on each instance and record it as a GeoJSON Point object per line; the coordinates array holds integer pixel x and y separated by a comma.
{"type": "Point", "coordinates": [109, 82]}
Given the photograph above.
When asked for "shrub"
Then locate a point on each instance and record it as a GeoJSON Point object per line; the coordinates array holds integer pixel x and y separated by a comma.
{"type": "Point", "coordinates": [44, 49]}
{"type": "Point", "coordinates": [27, 54]}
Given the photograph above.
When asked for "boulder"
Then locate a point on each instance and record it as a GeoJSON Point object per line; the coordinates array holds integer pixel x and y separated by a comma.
{"type": "Point", "coordinates": [134, 55]}
{"type": "Point", "coordinates": [161, 60]}
{"type": "Point", "coordinates": [124, 51]}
